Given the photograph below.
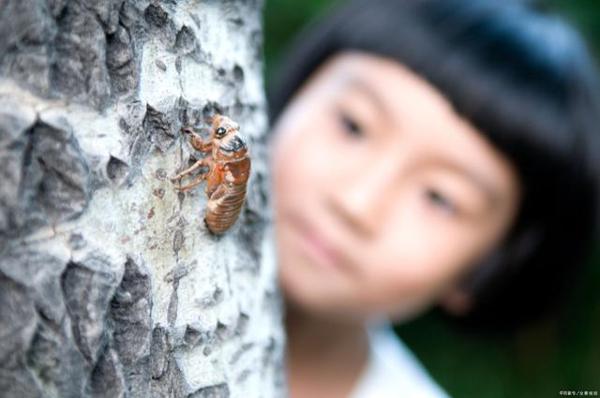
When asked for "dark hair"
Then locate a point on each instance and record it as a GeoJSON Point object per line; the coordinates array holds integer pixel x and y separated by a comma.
{"type": "Point", "coordinates": [527, 81]}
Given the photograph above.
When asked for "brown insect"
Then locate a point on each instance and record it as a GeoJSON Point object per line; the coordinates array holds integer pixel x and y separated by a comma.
{"type": "Point", "coordinates": [228, 164]}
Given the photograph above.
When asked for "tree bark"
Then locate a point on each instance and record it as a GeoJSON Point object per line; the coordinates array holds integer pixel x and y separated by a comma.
{"type": "Point", "coordinates": [110, 283]}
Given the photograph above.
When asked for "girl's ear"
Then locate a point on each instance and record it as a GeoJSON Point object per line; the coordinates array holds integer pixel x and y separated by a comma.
{"type": "Point", "coordinates": [456, 301]}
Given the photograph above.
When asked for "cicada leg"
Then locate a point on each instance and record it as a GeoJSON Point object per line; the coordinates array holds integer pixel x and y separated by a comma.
{"type": "Point", "coordinates": [198, 164]}
{"type": "Point", "coordinates": [197, 141]}
{"type": "Point", "coordinates": [196, 181]}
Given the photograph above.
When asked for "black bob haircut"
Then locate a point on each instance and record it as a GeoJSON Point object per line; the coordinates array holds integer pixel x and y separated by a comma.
{"type": "Point", "coordinates": [527, 81]}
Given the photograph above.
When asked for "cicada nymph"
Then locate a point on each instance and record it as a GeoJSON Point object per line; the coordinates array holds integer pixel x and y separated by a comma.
{"type": "Point", "coordinates": [228, 163]}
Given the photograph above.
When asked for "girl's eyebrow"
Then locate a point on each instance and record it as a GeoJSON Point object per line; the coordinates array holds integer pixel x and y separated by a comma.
{"type": "Point", "coordinates": [478, 180]}
{"type": "Point", "coordinates": [371, 93]}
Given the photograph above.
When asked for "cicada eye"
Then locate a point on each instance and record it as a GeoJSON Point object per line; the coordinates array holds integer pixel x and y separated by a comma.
{"type": "Point", "coordinates": [220, 132]}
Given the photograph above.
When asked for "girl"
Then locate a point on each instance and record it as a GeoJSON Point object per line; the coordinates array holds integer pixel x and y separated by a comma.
{"type": "Point", "coordinates": [426, 153]}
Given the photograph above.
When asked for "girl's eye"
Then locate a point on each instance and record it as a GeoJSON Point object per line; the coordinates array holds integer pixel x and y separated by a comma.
{"type": "Point", "coordinates": [350, 125]}
{"type": "Point", "coordinates": [441, 201]}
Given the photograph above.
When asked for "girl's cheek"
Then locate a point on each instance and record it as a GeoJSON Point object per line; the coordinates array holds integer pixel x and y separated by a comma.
{"type": "Point", "coordinates": [412, 260]}
{"type": "Point", "coordinates": [309, 155]}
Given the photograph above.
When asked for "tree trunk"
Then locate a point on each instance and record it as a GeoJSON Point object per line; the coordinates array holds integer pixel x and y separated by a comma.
{"type": "Point", "coordinates": [110, 283]}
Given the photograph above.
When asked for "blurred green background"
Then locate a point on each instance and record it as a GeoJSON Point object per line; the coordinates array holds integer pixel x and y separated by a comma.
{"type": "Point", "coordinates": [558, 354]}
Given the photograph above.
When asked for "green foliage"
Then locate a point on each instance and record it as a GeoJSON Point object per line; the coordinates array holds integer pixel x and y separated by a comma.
{"type": "Point", "coordinates": [283, 19]}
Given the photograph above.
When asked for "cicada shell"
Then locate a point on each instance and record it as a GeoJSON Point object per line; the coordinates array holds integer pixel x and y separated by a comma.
{"type": "Point", "coordinates": [228, 172]}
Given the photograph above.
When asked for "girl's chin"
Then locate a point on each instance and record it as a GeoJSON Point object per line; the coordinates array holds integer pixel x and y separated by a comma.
{"type": "Point", "coordinates": [324, 306]}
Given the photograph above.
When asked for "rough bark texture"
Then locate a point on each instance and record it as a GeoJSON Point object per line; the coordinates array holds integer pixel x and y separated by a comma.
{"type": "Point", "coordinates": [110, 284]}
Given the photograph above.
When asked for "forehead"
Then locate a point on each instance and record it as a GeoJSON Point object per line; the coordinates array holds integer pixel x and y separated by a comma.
{"type": "Point", "coordinates": [392, 82]}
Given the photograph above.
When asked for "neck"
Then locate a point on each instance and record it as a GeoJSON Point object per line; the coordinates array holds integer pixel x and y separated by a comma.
{"type": "Point", "coordinates": [325, 356]}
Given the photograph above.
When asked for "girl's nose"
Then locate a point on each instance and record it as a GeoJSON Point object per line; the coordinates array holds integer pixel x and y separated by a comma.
{"type": "Point", "coordinates": [361, 200]}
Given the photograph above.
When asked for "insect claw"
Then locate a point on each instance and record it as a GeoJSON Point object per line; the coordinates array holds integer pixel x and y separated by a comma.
{"type": "Point", "coordinates": [187, 130]}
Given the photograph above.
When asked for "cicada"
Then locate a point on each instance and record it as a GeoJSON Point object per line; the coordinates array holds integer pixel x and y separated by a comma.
{"type": "Point", "coordinates": [228, 163]}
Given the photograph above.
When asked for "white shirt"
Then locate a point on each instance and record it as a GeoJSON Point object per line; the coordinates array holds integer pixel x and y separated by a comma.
{"type": "Point", "coordinates": [393, 371]}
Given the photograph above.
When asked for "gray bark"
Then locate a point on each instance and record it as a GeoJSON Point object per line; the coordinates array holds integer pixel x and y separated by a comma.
{"type": "Point", "coordinates": [110, 284]}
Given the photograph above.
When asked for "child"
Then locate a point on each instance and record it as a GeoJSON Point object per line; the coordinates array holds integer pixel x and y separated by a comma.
{"type": "Point", "coordinates": [426, 153]}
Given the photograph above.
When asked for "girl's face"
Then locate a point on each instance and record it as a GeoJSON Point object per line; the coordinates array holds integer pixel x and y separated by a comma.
{"type": "Point", "coordinates": [384, 196]}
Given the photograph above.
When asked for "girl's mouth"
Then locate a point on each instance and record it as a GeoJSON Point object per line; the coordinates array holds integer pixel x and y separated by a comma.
{"type": "Point", "coordinates": [314, 245]}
